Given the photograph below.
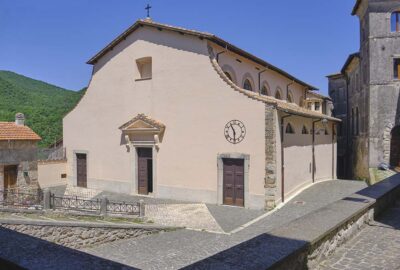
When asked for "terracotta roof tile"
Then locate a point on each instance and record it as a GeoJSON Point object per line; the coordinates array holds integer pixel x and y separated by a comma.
{"type": "Point", "coordinates": [12, 131]}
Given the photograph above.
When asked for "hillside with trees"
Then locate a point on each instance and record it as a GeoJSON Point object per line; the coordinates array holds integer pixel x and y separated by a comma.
{"type": "Point", "coordinates": [43, 104]}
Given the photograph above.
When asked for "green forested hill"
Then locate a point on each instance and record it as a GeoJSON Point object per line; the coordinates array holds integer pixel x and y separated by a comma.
{"type": "Point", "coordinates": [43, 104]}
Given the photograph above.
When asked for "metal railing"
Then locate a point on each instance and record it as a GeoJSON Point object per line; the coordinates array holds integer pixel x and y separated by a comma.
{"type": "Point", "coordinates": [37, 199]}
{"type": "Point", "coordinates": [97, 206]}
{"type": "Point", "coordinates": [123, 208]}
{"type": "Point", "coordinates": [74, 203]}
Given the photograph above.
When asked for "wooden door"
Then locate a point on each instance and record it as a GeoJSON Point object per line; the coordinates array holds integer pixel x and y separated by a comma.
{"type": "Point", "coordinates": [145, 175]}
{"type": "Point", "coordinates": [81, 168]}
{"type": "Point", "coordinates": [233, 186]}
{"type": "Point", "coordinates": [10, 176]}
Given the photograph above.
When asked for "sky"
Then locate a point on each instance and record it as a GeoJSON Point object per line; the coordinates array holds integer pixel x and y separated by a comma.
{"type": "Point", "coordinates": [51, 40]}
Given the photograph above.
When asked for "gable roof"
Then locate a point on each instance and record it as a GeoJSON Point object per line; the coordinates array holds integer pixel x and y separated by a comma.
{"type": "Point", "coordinates": [201, 35]}
{"type": "Point", "coordinates": [356, 6]}
{"type": "Point", "coordinates": [143, 122]}
{"type": "Point", "coordinates": [12, 131]}
{"type": "Point", "coordinates": [349, 60]}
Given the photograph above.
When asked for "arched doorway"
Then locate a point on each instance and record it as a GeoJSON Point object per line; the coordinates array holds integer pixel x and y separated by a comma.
{"type": "Point", "coordinates": [395, 147]}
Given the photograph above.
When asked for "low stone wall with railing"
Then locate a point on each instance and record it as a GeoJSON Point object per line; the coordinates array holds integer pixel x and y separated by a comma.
{"type": "Point", "coordinates": [46, 200]}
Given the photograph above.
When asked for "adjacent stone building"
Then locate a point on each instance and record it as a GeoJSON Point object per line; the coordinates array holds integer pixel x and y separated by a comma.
{"type": "Point", "coordinates": [18, 150]}
{"type": "Point", "coordinates": [366, 92]}
{"type": "Point", "coordinates": [182, 114]}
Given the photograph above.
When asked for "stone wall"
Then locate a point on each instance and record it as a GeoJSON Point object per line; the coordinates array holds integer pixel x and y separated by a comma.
{"type": "Point", "coordinates": [79, 236]}
{"type": "Point", "coordinates": [270, 157]}
{"type": "Point", "coordinates": [24, 155]}
{"type": "Point", "coordinates": [323, 231]}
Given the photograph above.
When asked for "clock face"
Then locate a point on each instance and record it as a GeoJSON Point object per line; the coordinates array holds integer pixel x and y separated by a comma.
{"type": "Point", "coordinates": [234, 131]}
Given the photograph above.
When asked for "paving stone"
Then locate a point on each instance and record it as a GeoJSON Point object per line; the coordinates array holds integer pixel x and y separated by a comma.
{"type": "Point", "coordinates": [174, 250]}
{"type": "Point", "coordinates": [375, 247]}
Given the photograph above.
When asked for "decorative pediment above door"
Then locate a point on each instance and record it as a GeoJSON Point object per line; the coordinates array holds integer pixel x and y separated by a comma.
{"type": "Point", "coordinates": [143, 128]}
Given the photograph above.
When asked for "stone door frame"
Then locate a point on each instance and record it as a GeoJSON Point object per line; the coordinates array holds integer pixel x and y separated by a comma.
{"type": "Point", "coordinates": [135, 172]}
{"type": "Point", "coordinates": [220, 176]}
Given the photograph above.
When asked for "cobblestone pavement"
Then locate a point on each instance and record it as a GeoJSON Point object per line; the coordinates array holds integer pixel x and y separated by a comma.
{"type": "Point", "coordinates": [194, 216]}
{"type": "Point", "coordinates": [377, 246]}
{"type": "Point", "coordinates": [173, 250]}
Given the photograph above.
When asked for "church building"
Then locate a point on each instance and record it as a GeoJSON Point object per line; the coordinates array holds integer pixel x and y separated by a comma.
{"type": "Point", "coordinates": [185, 115]}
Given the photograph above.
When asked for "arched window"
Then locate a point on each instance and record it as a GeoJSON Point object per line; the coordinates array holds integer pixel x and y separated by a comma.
{"type": "Point", "coordinates": [395, 21]}
{"type": "Point", "coordinates": [290, 98]}
{"type": "Point", "coordinates": [265, 90]}
{"type": "Point", "coordinates": [304, 130]}
{"type": "Point", "coordinates": [228, 75]}
{"type": "Point", "coordinates": [289, 129]}
{"type": "Point", "coordinates": [278, 94]}
{"type": "Point", "coordinates": [247, 85]}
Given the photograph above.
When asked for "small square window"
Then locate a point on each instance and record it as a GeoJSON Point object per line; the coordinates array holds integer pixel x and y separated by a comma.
{"type": "Point", "coordinates": [396, 68]}
{"type": "Point", "coordinates": [144, 66]}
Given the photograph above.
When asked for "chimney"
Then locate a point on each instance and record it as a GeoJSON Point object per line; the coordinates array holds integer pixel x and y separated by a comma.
{"type": "Point", "coordinates": [20, 119]}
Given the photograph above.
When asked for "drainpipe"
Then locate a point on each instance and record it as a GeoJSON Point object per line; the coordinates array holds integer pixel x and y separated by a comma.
{"type": "Point", "coordinates": [283, 155]}
{"type": "Point", "coordinates": [224, 51]}
{"type": "Point", "coordinates": [259, 80]}
{"type": "Point", "coordinates": [313, 145]}
{"type": "Point", "coordinates": [333, 150]}
{"type": "Point", "coordinates": [347, 127]}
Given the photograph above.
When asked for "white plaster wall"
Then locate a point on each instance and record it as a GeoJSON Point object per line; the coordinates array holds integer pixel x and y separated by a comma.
{"type": "Point", "coordinates": [323, 155]}
{"type": "Point", "coordinates": [298, 156]}
{"type": "Point", "coordinates": [49, 173]}
{"type": "Point", "coordinates": [186, 94]}
{"type": "Point", "coordinates": [246, 67]}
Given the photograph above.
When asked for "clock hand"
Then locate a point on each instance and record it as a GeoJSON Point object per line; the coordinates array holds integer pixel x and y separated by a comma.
{"type": "Point", "coordinates": [234, 132]}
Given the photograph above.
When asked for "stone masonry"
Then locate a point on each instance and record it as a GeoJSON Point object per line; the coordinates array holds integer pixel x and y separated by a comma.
{"type": "Point", "coordinates": [23, 154]}
{"type": "Point", "coordinates": [366, 93]}
{"type": "Point", "coordinates": [270, 157]}
{"type": "Point", "coordinates": [79, 236]}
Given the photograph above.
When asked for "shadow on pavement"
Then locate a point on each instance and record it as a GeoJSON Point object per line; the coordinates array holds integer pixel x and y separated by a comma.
{"type": "Point", "coordinates": [259, 252]}
{"type": "Point", "coordinates": [21, 251]}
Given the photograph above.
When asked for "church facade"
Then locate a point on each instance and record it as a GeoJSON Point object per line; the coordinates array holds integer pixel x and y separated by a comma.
{"type": "Point", "coordinates": [182, 114]}
{"type": "Point", "coordinates": [366, 92]}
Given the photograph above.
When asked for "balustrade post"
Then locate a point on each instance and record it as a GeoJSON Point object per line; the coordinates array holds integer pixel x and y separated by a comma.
{"type": "Point", "coordinates": [103, 206]}
{"type": "Point", "coordinates": [141, 208]}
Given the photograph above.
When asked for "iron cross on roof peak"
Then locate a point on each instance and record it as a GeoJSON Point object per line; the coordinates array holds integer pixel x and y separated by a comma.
{"type": "Point", "coordinates": [148, 7]}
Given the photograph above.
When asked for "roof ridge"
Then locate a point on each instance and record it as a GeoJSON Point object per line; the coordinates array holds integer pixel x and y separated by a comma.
{"type": "Point", "coordinates": [213, 38]}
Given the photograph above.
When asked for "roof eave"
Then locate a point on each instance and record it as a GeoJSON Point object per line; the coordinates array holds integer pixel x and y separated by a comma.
{"type": "Point", "coordinates": [254, 58]}
{"type": "Point", "coordinates": [355, 8]}
{"type": "Point", "coordinates": [210, 37]}
{"type": "Point", "coordinates": [348, 61]}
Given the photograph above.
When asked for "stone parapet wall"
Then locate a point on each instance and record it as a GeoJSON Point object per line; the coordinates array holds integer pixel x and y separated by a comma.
{"type": "Point", "coordinates": [319, 233]}
{"type": "Point", "coordinates": [78, 235]}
